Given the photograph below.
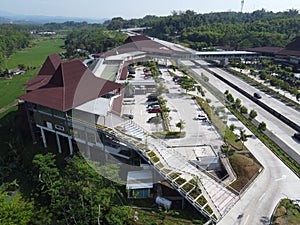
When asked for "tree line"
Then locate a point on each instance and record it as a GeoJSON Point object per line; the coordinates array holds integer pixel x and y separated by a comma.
{"type": "Point", "coordinates": [11, 40]}
{"type": "Point", "coordinates": [238, 30]}
{"type": "Point", "coordinates": [92, 40]}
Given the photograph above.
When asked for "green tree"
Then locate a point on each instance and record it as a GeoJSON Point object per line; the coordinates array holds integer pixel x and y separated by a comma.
{"type": "Point", "coordinates": [244, 109]}
{"type": "Point", "coordinates": [252, 114]}
{"type": "Point", "coordinates": [16, 211]}
{"type": "Point", "coordinates": [76, 193]}
{"type": "Point", "coordinates": [243, 137]}
{"type": "Point", "coordinates": [180, 125]}
{"type": "Point", "coordinates": [187, 83]}
{"type": "Point", "coordinates": [160, 89]}
{"type": "Point", "coordinates": [230, 98]}
{"type": "Point", "coordinates": [298, 96]}
{"type": "Point", "coordinates": [262, 126]}
{"type": "Point", "coordinates": [128, 90]}
{"type": "Point", "coordinates": [232, 127]}
{"type": "Point", "coordinates": [238, 103]}
{"type": "Point", "coordinates": [47, 171]}
{"type": "Point", "coordinates": [119, 215]}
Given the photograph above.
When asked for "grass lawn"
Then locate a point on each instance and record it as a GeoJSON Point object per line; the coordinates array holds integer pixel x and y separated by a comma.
{"type": "Point", "coordinates": [10, 89]}
{"type": "Point", "coordinates": [185, 217]}
{"type": "Point", "coordinates": [286, 213]}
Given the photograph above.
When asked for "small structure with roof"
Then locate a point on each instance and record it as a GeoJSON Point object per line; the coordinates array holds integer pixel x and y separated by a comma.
{"type": "Point", "coordinates": [139, 183]}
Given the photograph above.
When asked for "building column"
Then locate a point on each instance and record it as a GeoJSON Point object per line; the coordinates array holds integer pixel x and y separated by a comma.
{"type": "Point", "coordinates": [70, 146]}
{"type": "Point", "coordinates": [30, 124]}
{"type": "Point", "coordinates": [58, 143]}
{"type": "Point", "coordinates": [43, 137]}
{"type": "Point", "coordinates": [88, 151]}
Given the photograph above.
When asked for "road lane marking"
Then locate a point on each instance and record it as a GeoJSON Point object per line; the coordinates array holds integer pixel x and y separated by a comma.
{"type": "Point", "coordinates": [282, 178]}
{"type": "Point", "coordinates": [261, 197]}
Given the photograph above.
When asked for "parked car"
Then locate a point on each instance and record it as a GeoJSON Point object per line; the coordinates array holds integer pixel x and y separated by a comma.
{"type": "Point", "coordinates": [152, 104]}
{"type": "Point", "coordinates": [152, 96]}
{"type": "Point", "coordinates": [257, 95]}
{"type": "Point", "coordinates": [146, 76]}
{"type": "Point", "coordinates": [296, 136]}
{"type": "Point", "coordinates": [200, 117]}
{"type": "Point", "coordinates": [157, 110]}
{"type": "Point", "coordinates": [129, 116]}
{"type": "Point", "coordinates": [131, 70]}
{"type": "Point", "coordinates": [154, 119]}
{"type": "Point", "coordinates": [153, 107]}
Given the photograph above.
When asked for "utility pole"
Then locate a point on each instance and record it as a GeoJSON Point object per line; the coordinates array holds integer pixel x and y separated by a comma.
{"type": "Point", "coordinates": [242, 5]}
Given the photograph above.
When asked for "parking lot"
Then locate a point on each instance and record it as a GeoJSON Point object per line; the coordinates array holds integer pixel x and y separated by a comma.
{"type": "Point", "coordinates": [199, 131]}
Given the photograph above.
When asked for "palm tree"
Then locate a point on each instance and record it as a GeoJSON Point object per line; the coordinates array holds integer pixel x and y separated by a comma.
{"type": "Point", "coordinates": [243, 137]}
{"type": "Point", "coordinates": [180, 124]}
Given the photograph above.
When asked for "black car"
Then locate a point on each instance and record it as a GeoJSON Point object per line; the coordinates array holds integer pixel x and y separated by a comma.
{"type": "Point", "coordinates": [257, 95]}
{"type": "Point", "coordinates": [152, 99]}
{"type": "Point", "coordinates": [296, 136]}
{"type": "Point", "coordinates": [152, 96]}
{"type": "Point", "coordinates": [129, 116]}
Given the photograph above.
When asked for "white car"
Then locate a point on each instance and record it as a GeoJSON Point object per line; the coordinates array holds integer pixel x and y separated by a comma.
{"type": "Point", "coordinates": [200, 117]}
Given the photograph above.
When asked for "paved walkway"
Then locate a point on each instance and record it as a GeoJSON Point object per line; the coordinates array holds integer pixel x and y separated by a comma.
{"type": "Point", "coordinates": [7, 107]}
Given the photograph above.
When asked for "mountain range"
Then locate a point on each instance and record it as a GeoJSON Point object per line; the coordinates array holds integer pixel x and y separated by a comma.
{"type": "Point", "coordinates": [7, 17]}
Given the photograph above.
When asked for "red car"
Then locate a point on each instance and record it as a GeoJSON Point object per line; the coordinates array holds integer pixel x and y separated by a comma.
{"type": "Point", "coordinates": [155, 110]}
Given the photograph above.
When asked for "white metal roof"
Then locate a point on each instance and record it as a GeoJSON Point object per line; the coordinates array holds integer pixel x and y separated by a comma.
{"type": "Point", "coordinates": [139, 179]}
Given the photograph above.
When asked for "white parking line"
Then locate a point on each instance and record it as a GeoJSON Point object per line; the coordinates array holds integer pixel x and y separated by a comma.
{"type": "Point", "coordinates": [282, 178]}
{"type": "Point", "coordinates": [246, 220]}
{"type": "Point", "coordinates": [261, 197]}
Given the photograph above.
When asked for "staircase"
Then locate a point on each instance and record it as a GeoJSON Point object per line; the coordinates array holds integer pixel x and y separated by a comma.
{"type": "Point", "coordinates": [214, 200]}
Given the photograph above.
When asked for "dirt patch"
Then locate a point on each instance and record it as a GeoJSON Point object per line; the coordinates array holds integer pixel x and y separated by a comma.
{"type": "Point", "coordinates": [245, 167]}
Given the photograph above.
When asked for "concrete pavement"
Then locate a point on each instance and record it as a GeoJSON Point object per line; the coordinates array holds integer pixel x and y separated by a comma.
{"type": "Point", "coordinates": [275, 182]}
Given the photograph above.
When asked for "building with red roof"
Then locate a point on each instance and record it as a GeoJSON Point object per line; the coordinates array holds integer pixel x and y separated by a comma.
{"type": "Point", "coordinates": [62, 88]}
{"type": "Point", "coordinates": [290, 54]}
{"type": "Point", "coordinates": [65, 96]}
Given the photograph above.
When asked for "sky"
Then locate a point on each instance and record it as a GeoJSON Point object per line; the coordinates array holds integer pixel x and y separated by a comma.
{"type": "Point", "coordinates": [137, 8]}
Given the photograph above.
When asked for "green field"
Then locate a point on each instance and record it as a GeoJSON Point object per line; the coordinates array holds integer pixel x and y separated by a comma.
{"type": "Point", "coordinates": [10, 89]}
{"type": "Point", "coordinates": [36, 55]}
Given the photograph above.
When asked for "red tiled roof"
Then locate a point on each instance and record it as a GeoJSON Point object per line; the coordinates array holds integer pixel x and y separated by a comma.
{"type": "Point", "coordinates": [37, 82]}
{"type": "Point", "coordinates": [50, 65]}
{"type": "Point", "coordinates": [71, 85]}
{"type": "Point", "coordinates": [292, 49]}
{"type": "Point", "coordinates": [117, 104]}
{"type": "Point", "coordinates": [273, 50]}
{"type": "Point", "coordinates": [140, 43]}
{"type": "Point", "coordinates": [294, 46]}
{"type": "Point", "coordinates": [124, 71]}
{"type": "Point", "coordinates": [287, 52]}
{"type": "Point", "coordinates": [136, 38]}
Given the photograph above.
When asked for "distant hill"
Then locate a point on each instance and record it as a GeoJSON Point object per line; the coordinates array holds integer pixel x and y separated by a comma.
{"type": "Point", "coordinates": [6, 17]}
{"type": "Point", "coordinates": [4, 20]}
